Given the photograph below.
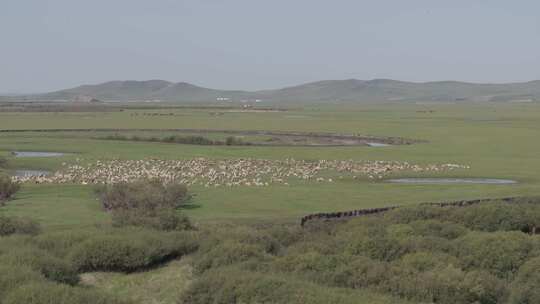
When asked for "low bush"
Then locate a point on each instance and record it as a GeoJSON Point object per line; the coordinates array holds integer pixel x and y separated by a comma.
{"type": "Point", "coordinates": [444, 284]}
{"type": "Point", "coordinates": [7, 188]}
{"type": "Point", "coordinates": [484, 288]}
{"type": "Point", "coordinates": [424, 260]}
{"type": "Point", "coordinates": [334, 270]}
{"type": "Point", "coordinates": [323, 245]}
{"type": "Point", "coordinates": [45, 268]}
{"type": "Point", "coordinates": [361, 272]}
{"type": "Point", "coordinates": [415, 243]}
{"type": "Point", "coordinates": [379, 246]}
{"type": "Point", "coordinates": [409, 214]}
{"type": "Point", "coordinates": [3, 162]}
{"type": "Point", "coordinates": [314, 266]}
{"type": "Point", "coordinates": [525, 289]}
{"type": "Point", "coordinates": [165, 219]}
{"type": "Point", "coordinates": [60, 243]}
{"type": "Point", "coordinates": [424, 254]}
{"type": "Point", "coordinates": [179, 139]}
{"type": "Point", "coordinates": [13, 276]}
{"type": "Point", "coordinates": [501, 253]}
{"type": "Point", "coordinates": [130, 250]}
{"type": "Point", "coordinates": [17, 225]}
{"type": "Point", "coordinates": [229, 285]}
{"type": "Point", "coordinates": [285, 235]}
{"type": "Point", "coordinates": [146, 203]}
{"type": "Point", "coordinates": [41, 261]}
{"type": "Point", "coordinates": [144, 195]}
{"type": "Point", "coordinates": [494, 217]}
{"type": "Point", "coordinates": [447, 230]}
{"type": "Point", "coordinates": [228, 253]}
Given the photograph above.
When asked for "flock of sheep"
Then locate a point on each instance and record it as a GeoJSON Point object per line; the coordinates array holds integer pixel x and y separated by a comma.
{"type": "Point", "coordinates": [227, 172]}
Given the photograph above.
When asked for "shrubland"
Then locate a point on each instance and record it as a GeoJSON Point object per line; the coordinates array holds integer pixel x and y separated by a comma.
{"type": "Point", "coordinates": [45, 268]}
{"type": "Point", "coordinates": [422, 254]}
{"type": "Point", "coordinates": [418, 254]}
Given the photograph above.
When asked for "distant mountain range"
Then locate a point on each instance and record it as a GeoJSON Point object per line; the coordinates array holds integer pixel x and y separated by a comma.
{"type": "Point", "coordinates": [351, 90]}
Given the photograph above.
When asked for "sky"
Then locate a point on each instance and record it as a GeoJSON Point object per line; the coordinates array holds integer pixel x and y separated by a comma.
{"type": "Point", "coordinates": [48, 45]}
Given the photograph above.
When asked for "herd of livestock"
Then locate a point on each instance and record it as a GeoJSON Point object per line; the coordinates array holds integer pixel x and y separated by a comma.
{"type": "Point", "coordinates": [227, 172]}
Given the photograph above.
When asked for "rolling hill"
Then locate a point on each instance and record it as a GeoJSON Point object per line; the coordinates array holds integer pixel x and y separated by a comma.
{"type": "Point", "coordinates": [351, 90]}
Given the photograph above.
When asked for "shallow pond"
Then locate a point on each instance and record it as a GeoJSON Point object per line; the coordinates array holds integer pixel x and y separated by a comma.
{"type": "Point", "coordinates": [490, 181]}
{"type": "Point", "coordinates": [374, 144]}
{"type": "Point", "coordinates": [30, 173]}
{"type": "Point", "coordinates": [37, 154]}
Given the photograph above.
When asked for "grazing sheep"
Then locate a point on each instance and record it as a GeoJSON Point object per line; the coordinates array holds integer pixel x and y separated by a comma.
{"type": "Point", "coordinates": [228, 172]}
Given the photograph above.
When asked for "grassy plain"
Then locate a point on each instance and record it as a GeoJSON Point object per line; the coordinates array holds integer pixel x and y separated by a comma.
{"type": "Point", "coordinates": [496, 140]}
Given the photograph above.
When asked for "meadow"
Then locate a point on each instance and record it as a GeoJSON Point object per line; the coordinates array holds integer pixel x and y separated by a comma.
{"type": "Point", "coordinates": [491, 140]}
{"type": "Point", "coordinates": [495, 140]}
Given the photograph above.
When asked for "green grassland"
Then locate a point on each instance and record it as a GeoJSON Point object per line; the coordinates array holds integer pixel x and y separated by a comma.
{"type": "Point", "coordinates": [496, 140]}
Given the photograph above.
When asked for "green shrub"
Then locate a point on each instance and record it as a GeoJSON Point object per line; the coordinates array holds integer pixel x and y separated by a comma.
{"type": "Point", "coordinates": [7, 188]}
{"type": "Point", "coordinates": [51, 293]}
{"type": "Point", "coordinates": [424, 254]}
{"type": "Point", "coordinates": [436, 286]}
{"type": "Point", "coordinates": [16, 225]}
{"type": "Point", "coordinates": [12, 276]}
{"type": "Point", "coordinates": [361, 272]}
{"type": "Point", "coordinates": [311, 262]}
{"type": "Point", "coordinates": [444, 284]}
{"type": "Point", "coordinates": [451, 285]}
{"type": "Point", "coordinates": [524, 289]}
{"type": "Point", "coordinates": [501, 253]}
{"type": "Point", "coordinates": [285, 235]}
{"type": "Point", "coordinates": [60, 243]}
{"type": "Point", "coordinates": [425, 243]}
{"type": "Point", "coordinates": [437, 228]}
{"type": "Point", "coordinates": [225, 245]}
{"type": "Point", "coordinates": [320, 268]}
{"type": "Point", "coordinates": [484, 288]}
{"type": "Point", "coordinates": [130, 250]}
{"type": "Point", "coordinates": [424, 261]}
{"type": "Point", "coordinates": [146, 203]}
{"type": "Point", "coordinates": [257, 237]}
{"type": "Point", "coordinates": [13, 241]}
{"type": "Point", "coordinates": [230, 286]}
{"type": "Point", "coordinates": [41, 261]}
{"type": "Point", "coordinates": [165, 219]}
{"type": "Point", "coordinates": [3, 162]}
{"type": "Point", "coordinates": [405, 215]}
{"type": "Point", "coordinates": [371, 238]}
{"type": "Point", "coordinates": [228, 253]}
{"type": "Point", "coordinates": [322, 245]}
{"type": "Point", "coordinates": [379, 246]}
{"type": "Point", "coordinates": [147, 196]}
{"type": "Point", "coordinates": [248, 235]}
{"type": "Point", "coordinates": [494, 217]}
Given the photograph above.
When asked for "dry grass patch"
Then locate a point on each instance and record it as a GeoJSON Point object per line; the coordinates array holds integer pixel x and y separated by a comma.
{"type": "Point", "coordinates": [162, 285]}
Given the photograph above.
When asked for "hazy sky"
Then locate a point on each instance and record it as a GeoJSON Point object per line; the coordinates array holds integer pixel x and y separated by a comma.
{"type": "Point", "coordinates": [257, 44]}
